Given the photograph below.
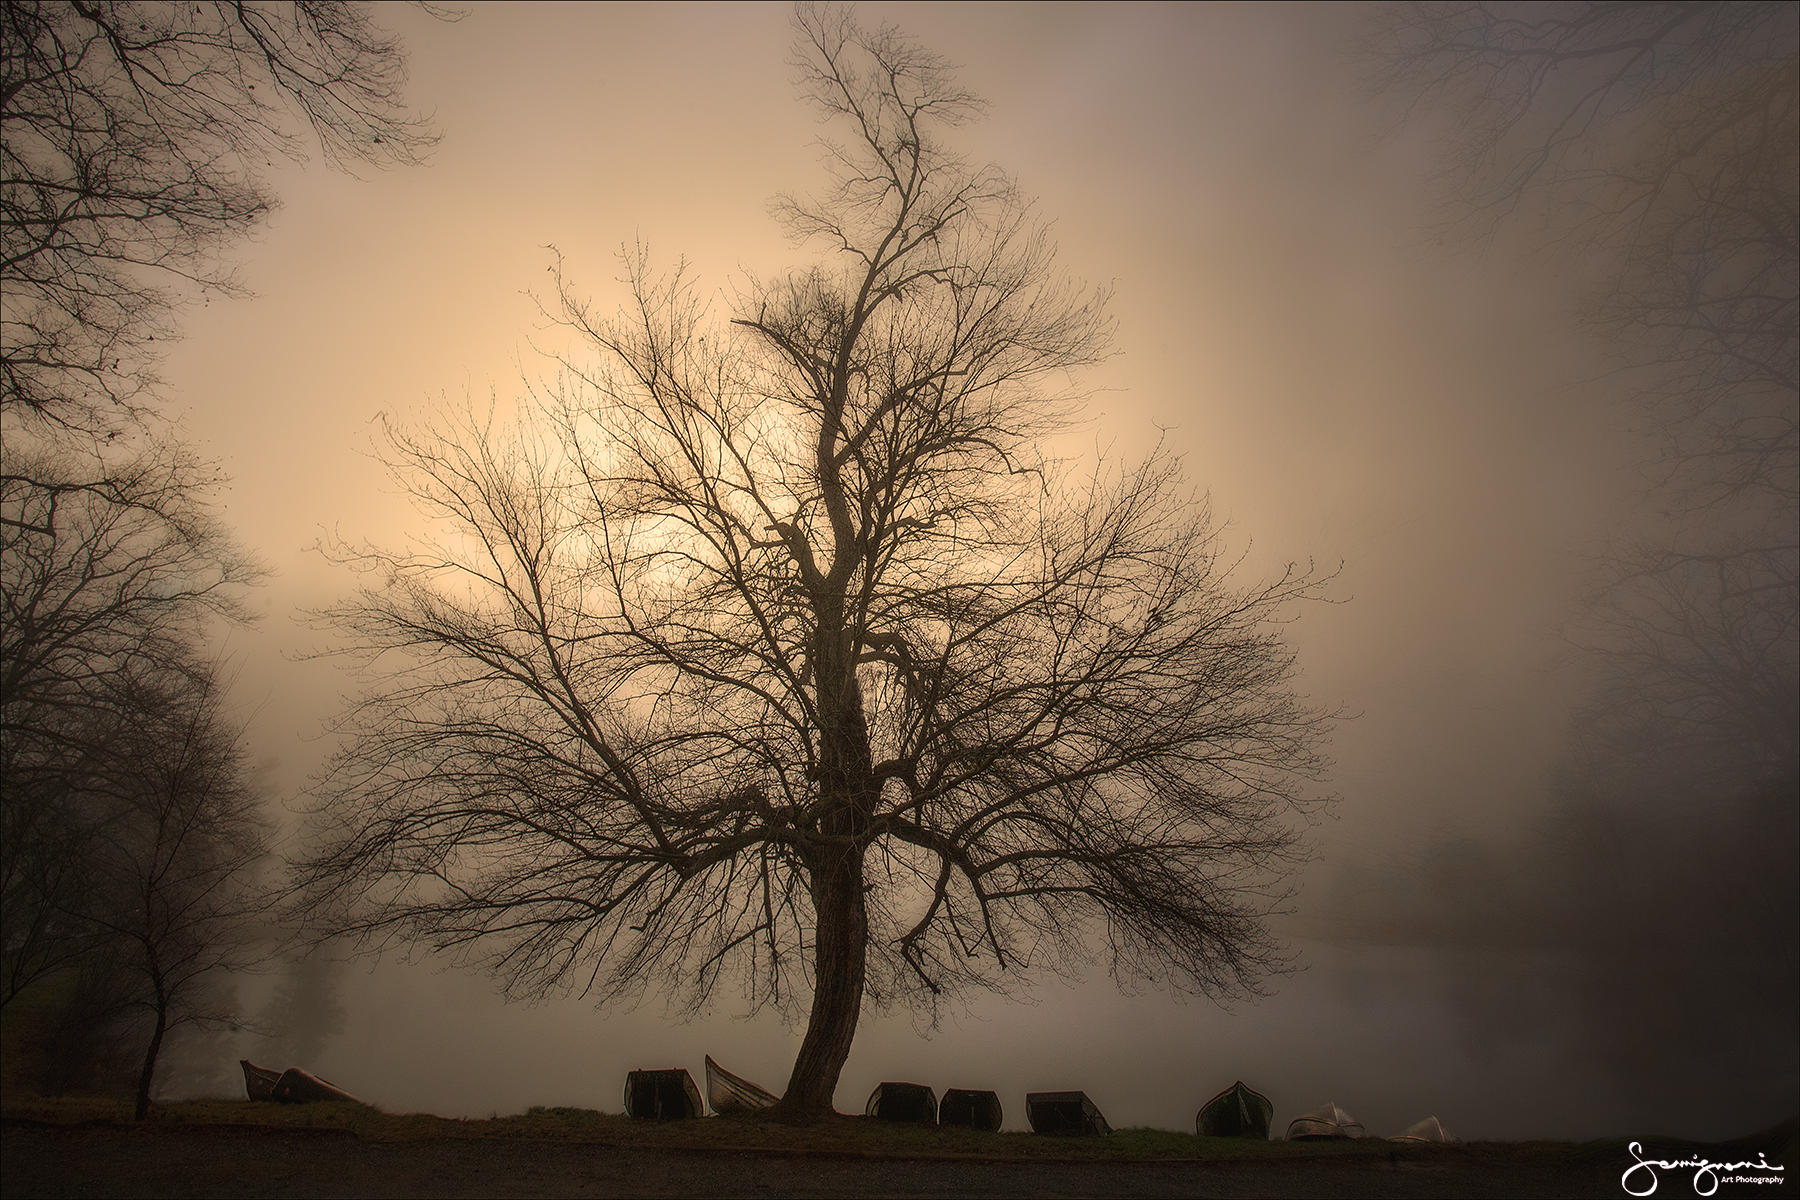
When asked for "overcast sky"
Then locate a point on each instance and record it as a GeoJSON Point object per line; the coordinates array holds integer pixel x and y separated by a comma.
{"type": "Point", "coordinates": [1346, 387]}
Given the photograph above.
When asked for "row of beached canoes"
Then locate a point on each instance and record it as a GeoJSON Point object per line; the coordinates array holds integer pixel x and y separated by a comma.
{"type": "Point", "coordinates": [671, 1094]}
{"type": "Point", "coordinates": [667, 1095]}
{"type": "Point", "coordinates": [1241, 1111]}
{"type": "Point", "coordinates": [1238, 1111]}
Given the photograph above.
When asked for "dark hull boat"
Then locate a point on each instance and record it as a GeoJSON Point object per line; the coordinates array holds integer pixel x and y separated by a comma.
{"type": "Point", "coordinates": [974, 1110]}
{"type": "Point", "coordinates": [1328, 1121]}
{"type": "Point", "coordinates": [1236, 1112]}
{"type": "Point", "coordinates": [297, 1087]}
{"type": "Point", "coordinates": [730, 1093]}
{"type": "Point", "coordinates": [1067, 1113]}
{"type": "Point", "coordinates": [259, 1082]}
{"type": "Point", "coordinates": [662, 1096]}
{"type": "Point", "coordinates": [910, 1102]}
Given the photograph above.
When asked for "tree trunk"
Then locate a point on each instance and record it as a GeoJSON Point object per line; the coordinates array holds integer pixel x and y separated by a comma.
{"type": "Point", "coordinates": [841, 942]}
{"type": "Point", "coordinates": [148, 1074]}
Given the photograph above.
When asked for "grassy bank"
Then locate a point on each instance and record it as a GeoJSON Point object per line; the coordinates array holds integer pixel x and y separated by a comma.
{"type": "Point", "coordinates": [842, 1135]}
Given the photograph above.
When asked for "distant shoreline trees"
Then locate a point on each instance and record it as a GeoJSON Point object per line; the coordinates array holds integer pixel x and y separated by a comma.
{"type": "Point", "coordinates": [777, 651]}
{"type": "Point", "coordinates": [1658, 145]}
{"type": "Point", "coordinates": [133, 138]}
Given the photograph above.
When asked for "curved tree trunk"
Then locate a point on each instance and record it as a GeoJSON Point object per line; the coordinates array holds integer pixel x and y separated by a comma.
{"type": "Point", "coordinates": [840, 952]}
{"type": "Point", "coordinates": [148, 1074]}
{"type": "Point", "coordinates": [847, 793]}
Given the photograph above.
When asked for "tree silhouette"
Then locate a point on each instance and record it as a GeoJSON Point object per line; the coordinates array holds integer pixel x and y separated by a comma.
{"type": "Point", "coordinates": [778, 650]}
{"type": "Point", "coordinates": [134, 140]}
{"type": "Point", "coordinates": [101, 581]}
{"type": "Point", "coordinates": [1658, 139]}
{"type": "Point", "coordinates": [174, 855]}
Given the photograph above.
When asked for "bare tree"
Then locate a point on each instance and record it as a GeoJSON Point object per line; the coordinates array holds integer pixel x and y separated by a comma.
{"type": "Point", "coordinates": [775, 650]}
{"type": "Point", "coordinates": [1660, 139]}
{"type": "Point", "coordinates": [135, 141]}
{"type": "Point", "coordinates": [175, 858]}
{"type": "Point", "coordinates": [103, 576]}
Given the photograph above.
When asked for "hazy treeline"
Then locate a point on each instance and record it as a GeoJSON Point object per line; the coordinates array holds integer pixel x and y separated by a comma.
{"type": "Point", "coordinates": [1659, 146]}
{"type": "Point", "coordinates": [132, 834]}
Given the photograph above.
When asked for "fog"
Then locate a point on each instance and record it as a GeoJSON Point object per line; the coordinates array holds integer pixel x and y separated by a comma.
{"type": "Point", "coordinates": [1502, 924]}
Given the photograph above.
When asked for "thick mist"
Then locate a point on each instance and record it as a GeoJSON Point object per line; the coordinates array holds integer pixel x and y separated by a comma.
{"type": "Point", "coordinates": [1532, 911]}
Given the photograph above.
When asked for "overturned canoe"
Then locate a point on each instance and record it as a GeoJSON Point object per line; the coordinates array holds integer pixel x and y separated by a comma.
{"type": "Point", "coordinates": [297, 1087]}
{"type": "Point", "coordinates": [1428, 1130]}
{"type": "Point", "coordinates": [1327, 1121]}
{"type": "Point", "coordinates": [1068, 1113]}
{"type": "Point", "coordinates": [730, 1093]}
{"type": "Point", "coordinates": [911, 1102]}
{"type": "Point", "coordinates": [1237, 1112]}
{"type": "Point", "coordinates": [667, 1095]}
{"type": "Point", "coordinates": [973, 1110]}
{"type": "Point", "coordinates": [259, 1082]}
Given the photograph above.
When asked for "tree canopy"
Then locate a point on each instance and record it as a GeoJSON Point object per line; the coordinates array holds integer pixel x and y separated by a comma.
{"type": "Point", "coordinates": [777, 650]}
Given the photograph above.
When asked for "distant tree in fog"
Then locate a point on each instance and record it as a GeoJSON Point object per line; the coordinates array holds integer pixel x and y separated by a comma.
{"type": "Point", "coordinates": [103, 581]}
{"type": "Point", "coordinates": [779, 651]}
{"type": "Point", "coordinates": [178, 838]}
{"type": "Point", "coordinates": [134, 141]}
{"type": "Point", "coordinates": [1661, 143]}
{"type": "Point", "coordinates": [1656, 148]}
{"type": "Point", "coordinates": [142, 891]}
{"type": "Point", "coordinates": [305, 1011]}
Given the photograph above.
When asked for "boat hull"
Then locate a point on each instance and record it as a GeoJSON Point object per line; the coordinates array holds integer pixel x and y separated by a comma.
{"type": "Point", "coordinates": [668, 1095]}
{"type": "Point", "coordinates": [913, 1103]}
{"type": "Point", "coordinates": [1237, 1112]}
{"type": "Point", "coordinates": [728, 1093]}
{"type": "Point", "coordinates": [1329, 1121]}
{"type": "Point", "coordinates": [259, 1082]}
{"type": "Point", "coordinates": [970, 1109]}
{"type": "Point", "coordinates": [1068, 1114]}
{"type": "Point", "coordinates": [298, 1087]}
{"type": "Point", "coordinates": [1428, 1130]}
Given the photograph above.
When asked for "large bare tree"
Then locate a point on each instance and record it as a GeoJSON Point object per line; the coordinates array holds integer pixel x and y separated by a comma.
{"type": "Point", "coordinates": [777, 650]}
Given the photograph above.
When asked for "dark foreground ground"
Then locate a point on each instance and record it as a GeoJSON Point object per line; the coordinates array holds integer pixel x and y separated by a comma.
{"type": "Point", "coordinates": [112, 1159]}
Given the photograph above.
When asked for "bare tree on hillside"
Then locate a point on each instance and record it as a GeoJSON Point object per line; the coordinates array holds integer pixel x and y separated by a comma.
{"type": "Point", "coordinates": [775, 650]}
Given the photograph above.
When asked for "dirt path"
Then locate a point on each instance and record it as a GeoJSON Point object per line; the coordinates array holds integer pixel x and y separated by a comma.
{"type": "Point", "coordinates": [109, 1160]}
